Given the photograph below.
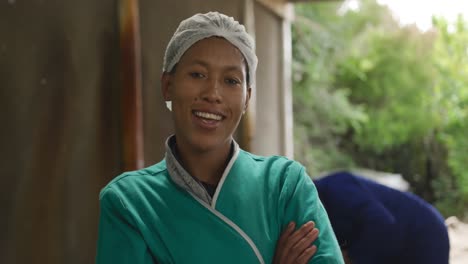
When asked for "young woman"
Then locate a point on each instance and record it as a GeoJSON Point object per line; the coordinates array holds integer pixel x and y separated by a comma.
{"type": "Point", "coordinates": [209, 201]}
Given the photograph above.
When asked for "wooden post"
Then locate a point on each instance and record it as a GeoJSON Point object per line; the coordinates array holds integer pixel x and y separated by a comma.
{"type": "Point", "coordinates": [247, 126]}
{"type": "Point", "coordinates": [130, 70]}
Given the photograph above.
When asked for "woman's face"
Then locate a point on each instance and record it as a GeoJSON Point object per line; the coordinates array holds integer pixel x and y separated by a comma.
{"type": "Point", "coordinates": [209, 93]}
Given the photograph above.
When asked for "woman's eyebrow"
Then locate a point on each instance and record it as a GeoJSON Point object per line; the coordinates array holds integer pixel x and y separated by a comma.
{"type": "Point", "coordinates": [233, 68]}
{"type": "Point", "coordinates": [225, 67]}
{"type": "Point", "coordinates": [199, 62]}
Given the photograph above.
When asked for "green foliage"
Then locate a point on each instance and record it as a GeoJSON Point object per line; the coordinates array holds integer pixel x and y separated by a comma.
{"type": "Point", "coordinates": [388, 73]}
{"type": "Point", "coordinates": [451, 103]}
{"type": "Point", "coordinates": [322, 113]}
{"type": "Point", "coordinates": [370, 93]}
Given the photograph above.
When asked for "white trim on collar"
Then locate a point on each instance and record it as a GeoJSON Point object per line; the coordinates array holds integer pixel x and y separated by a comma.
{"type": "Point", "coordinates": [225, 173]}
{"type": "Point", "coordinates": [190, 184]}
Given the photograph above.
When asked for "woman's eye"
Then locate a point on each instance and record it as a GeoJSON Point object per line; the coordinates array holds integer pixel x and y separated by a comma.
{"type": "Point", "coordinates": [196, 75]}
{"type": "Point", "coordinates": [232, 81]}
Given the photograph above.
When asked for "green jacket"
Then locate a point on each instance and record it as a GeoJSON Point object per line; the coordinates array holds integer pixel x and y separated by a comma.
{"type": "Point", "coordinates": [160, 214]}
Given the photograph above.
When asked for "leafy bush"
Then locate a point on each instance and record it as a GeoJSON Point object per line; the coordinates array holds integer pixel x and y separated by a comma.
{"type": "Point", "coordinates": [370, 93]}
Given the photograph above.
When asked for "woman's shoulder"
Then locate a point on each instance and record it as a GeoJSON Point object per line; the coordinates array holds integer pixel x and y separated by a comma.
{"type": "Point", "coordinates": [275, 167]}
{"type": "Point", "coordinates": [272, 160]}
{"type": "Point", "coordinates": [133, 180]}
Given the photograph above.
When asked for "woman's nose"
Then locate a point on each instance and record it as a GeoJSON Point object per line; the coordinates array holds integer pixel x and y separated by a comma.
{"type": "Point", "coordinates": [212, 91]}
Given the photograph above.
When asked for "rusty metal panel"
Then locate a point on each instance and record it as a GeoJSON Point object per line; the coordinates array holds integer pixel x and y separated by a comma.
{"type": "Point", "coordinates": [60, 136]}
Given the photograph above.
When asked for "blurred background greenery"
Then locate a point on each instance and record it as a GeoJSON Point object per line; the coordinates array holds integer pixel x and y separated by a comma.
{"type": "Point", "coordinates": [371, 93]}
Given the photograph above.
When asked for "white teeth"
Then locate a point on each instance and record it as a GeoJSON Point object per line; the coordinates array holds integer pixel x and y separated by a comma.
{"type": "Point", "coordinates": [208, 115]}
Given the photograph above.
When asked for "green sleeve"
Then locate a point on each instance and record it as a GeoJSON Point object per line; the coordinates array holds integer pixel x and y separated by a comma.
{"type": "Point", "coordinates": [301, 203]}
{"type": "Point", "coordinates": [118, 240]}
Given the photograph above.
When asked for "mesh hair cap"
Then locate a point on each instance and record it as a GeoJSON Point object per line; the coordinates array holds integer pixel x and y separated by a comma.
{"type": "Point", "coordinates": [201, 26]}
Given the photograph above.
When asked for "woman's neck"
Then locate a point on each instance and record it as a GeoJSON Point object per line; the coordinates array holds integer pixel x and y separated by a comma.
{"type": "Point", "coordinates": [206, 166]}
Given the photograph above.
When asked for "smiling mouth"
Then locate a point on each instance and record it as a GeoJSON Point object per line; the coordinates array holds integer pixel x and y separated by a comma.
{"type": "Point", "coordinates": [208, 116]}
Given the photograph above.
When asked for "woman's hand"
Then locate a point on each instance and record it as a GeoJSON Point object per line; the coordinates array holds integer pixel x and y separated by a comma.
{"type": "Point", "coordinates": [296, 246]}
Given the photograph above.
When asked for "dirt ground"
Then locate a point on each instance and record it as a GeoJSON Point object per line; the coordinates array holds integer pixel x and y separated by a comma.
{"type": "Point", "coordinates": [458, 233]}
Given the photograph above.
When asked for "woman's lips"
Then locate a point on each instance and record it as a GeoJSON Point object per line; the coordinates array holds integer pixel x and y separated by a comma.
{"type": "Point", "coordinates": [207, 120]}
{"type": "Point", "coordinates": [208, 115]}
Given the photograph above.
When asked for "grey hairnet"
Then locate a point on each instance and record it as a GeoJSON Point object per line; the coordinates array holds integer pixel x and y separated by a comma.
{"type": "Point", "coordinates": [201, 26]}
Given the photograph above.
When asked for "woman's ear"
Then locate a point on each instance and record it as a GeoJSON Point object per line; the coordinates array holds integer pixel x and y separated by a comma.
{"type": "Point", "coordinates": [247, 99]}
{"type": "Point", "coordinates": [166, 83]}
{"type": "Point", "coordinates": [166, 89]}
